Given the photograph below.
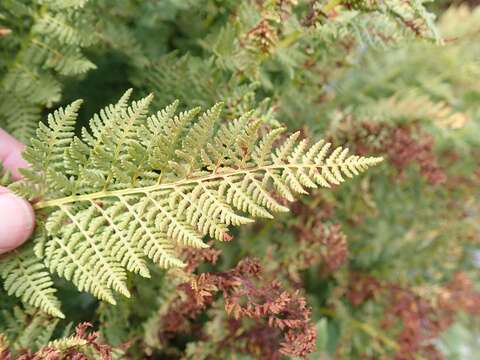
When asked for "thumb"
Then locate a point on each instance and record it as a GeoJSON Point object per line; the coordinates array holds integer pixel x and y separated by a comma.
{"type": "Point", "coordinates": [16, 220]}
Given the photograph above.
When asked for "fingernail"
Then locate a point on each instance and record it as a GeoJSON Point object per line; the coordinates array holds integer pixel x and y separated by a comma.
{"type": "Point", "coordinates": [16, 221]}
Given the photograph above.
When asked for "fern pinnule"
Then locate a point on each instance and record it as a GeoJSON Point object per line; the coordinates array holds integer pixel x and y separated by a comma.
{"type": "Point", "coordinates": [138, 186]}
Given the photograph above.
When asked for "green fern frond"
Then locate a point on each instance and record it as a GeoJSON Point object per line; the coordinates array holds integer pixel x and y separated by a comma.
{"type": "Point", "coordinates": [67, 343]}
{"type": "Point", "coordinates": [47, 46]}
{"type": "Point", "coordinates": [26, 328]}
{"type": "Point", "coordinates": [141, 186]}
{"type": "Point", "coordinates": [68, 61]}
{"type": "Point", "coordinates": [60, 27]}
{"type": "Point", "coordinates": [21, 115]}
{"type": "Point", "coordinates": [413, 106]}
{"type": "Point", "coordinates": [26, 277]}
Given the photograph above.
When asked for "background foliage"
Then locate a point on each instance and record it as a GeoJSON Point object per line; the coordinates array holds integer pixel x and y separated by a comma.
{"type": "Point", "coordinates": [384, 266]}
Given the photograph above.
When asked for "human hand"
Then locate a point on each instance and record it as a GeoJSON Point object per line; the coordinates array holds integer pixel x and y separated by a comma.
{"type": "Point", "coordinates": [16, 215]}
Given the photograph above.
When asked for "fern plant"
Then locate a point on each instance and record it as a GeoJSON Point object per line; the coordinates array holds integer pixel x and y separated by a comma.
{"type": "Point", "coordinates": [139, 186]}
{"type": "Point", "coordinates": [376, 268]}
{"type": "Point", "coordinates": [43, 45]}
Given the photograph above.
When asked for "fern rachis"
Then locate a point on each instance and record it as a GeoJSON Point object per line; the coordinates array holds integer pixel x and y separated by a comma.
{"type": "Point", "coordinates": [105, 202]}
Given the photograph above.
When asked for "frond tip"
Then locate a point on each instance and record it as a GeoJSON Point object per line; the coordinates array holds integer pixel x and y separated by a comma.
{"type": "Point", "coordinates": [111, 202]}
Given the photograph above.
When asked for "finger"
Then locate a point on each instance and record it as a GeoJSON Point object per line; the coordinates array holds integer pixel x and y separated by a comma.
{"type": "Point", "coordinates": [16, 220]}
{"type": "Point", "coordinates": [11, 154]}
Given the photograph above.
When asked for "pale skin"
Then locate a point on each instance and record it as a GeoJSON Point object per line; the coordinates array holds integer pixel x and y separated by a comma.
{"type": "Point", "coordinates": [16, 215]}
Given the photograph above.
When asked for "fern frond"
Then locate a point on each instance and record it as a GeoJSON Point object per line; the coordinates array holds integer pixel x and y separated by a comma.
{"type": "Point", "coordinates": [26, 277]}
{"type": "Point", "coordinates": [22, 117]}
{"type": "Point", "coordinates": [67, 61]}
{"type": "Point", "coordinates": [413, 106]}
{"type": "Point", "coordinates": [139, 186]}
{"type": "Point", "coordinates": [26, 328]}
{"type": "Point", "coordinates": [48, 40]}
{"type": "Point", "coordinates": [67, 343]}
{"type": "Point", "coordinates": [60, 27]}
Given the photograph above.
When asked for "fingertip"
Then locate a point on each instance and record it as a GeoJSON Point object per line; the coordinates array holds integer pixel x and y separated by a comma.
{"type": "Point", "coordinates": [11, 154]}
{"type": "Point", "coordinates": [14, 162]}
{"type": "Point", "coordinates": [16, 221]}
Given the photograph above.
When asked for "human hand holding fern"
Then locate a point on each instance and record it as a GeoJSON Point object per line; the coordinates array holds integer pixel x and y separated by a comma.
{"type": "Point", "coordinates": [140, 186]}
{"type": "Point", "coordinates": [16, 215]}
